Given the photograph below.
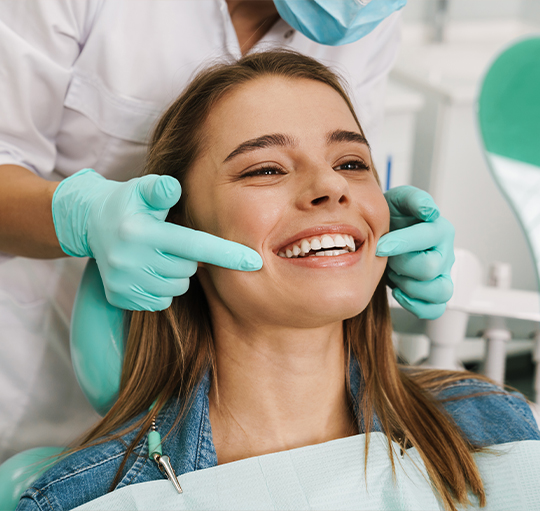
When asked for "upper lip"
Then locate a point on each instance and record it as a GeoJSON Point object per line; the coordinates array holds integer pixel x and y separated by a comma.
{"type": "Point", "coordinates": [321, 230]}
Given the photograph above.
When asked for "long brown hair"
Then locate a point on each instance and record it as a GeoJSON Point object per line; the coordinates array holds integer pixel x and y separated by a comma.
{"type": "Point", "coordinates": [168, 352]}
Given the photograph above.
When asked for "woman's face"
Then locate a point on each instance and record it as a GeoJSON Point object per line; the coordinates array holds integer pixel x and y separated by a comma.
{"type": "Point", "coordinates": [285, 170]}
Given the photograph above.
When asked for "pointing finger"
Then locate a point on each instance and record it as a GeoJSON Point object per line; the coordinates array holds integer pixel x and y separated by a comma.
{"type": "Point", "coordinates": [206, 248]}
{"type": "Point", "coordinates": [416, 238]}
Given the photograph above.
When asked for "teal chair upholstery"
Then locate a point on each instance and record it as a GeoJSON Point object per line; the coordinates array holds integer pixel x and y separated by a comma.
{"type": "Point", "coordinates": [97, 341]}
{"type": "Point", "coordinates": [97, 347]}
{"type": "Point", "coordinates": [509, 122]}
{"type": "Point", "coordinates": [21, 470]}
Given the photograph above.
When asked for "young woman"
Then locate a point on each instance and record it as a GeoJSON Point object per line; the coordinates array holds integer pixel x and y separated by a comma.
{"type": "Point", "coordinates": [270, 154]}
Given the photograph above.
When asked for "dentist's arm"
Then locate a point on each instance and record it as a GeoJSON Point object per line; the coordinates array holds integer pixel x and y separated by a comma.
{"type": "Point", "coordinates": [144, 261]}
{"type": "Point", "coordinates": [26, 224]}
{"type": "Point", "coordinates": [420, 247]}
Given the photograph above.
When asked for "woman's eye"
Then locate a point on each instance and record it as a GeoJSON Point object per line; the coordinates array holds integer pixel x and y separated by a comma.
{"type": "Point", "coordinates": [264, 171]}
{"type": "Point", "coordinates": [353, 165]}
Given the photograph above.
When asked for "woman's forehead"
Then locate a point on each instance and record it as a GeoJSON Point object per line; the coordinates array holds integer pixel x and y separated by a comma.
{"type": "Point", "coordinates": [297, 107]}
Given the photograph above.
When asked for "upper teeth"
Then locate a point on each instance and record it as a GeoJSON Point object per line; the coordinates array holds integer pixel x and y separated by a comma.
{"type": "Point", "coordinates": [326, 241]}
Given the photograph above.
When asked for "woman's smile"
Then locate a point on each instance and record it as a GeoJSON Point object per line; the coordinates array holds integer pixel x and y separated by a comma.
{"type": "Point", "coordinates": [289, 174]}
{"type": "Point", "coordinates": [324, 246]}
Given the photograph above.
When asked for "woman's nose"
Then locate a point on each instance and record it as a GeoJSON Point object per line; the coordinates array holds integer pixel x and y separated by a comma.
{"type": "Point", "coordinates": [323, 186]}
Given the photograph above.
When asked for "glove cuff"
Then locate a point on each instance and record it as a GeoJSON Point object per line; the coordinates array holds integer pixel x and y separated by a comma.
{"type": "Point", "coordinates": [70, 208]}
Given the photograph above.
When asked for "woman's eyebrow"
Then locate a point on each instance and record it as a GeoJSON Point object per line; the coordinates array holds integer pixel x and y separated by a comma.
{"type": "Point", "coordinates": [275, 139]}
{"type": "Point", "coordinates": [345, 136]}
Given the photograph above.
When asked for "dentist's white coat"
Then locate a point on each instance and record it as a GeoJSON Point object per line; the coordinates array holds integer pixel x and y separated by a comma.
{"type": "Point", "coordinates": [82, 83]}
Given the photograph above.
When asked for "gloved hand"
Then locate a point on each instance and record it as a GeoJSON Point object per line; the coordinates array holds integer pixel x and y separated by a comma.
{"type": "Point", "coordinates": [144, 261]}
{"type": "Point", "coordinates": [420, 247]}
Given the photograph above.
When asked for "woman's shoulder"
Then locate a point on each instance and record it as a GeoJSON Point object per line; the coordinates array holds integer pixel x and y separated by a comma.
{"type": "Point", "coordinates": [83, 475]}
{"type": "Point", "coordinates": [89, 473]}
{"type": "Point", "coordinates": [488, 414]}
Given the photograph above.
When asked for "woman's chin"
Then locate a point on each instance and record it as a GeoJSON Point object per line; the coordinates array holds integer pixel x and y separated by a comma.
{"type": "Point", "coordinates": [322, 311]}
{"type": "Point", "coordinates": [302, 303]}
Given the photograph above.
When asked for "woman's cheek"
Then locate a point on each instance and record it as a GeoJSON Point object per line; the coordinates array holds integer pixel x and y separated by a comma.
{"type": "Point", "coordinates": [250, 218]}
{"type": "Point", "coordinates": [380, 215]}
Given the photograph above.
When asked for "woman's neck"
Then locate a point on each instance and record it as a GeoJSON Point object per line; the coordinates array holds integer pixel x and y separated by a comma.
{"type": "Point", "coordinates": [278, 389]}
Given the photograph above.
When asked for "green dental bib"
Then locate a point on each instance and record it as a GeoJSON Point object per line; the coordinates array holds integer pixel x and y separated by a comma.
{"type": "Point", "coordinates": [331, 476]}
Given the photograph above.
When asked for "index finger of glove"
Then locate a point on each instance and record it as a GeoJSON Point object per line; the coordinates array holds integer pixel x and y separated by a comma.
{"type": "Point", "coordinates": [416, 238]}
{"type": "Point", "coordinates": [206, 248]}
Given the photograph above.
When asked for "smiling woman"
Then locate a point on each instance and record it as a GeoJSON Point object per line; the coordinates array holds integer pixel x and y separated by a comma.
{"type": "Point", "coordinates": [270, 154]}
{"type": "Point", "coordinates": [288, 164]}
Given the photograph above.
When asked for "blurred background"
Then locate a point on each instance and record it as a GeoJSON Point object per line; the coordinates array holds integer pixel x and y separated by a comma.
{"type": "Point", "coordinates": [431, 140]}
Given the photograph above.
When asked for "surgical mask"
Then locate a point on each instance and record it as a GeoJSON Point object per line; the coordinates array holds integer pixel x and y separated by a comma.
{"type": "Point", "coordinates": [336, 22]}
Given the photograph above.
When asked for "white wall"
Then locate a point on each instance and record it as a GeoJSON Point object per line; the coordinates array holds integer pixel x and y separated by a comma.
{"type": "Point", "coordinates": [530, 10]}
{"type": "Point", "coordinates": [417, 11]}
{"type": "Point", "coordinates": [460, 10]}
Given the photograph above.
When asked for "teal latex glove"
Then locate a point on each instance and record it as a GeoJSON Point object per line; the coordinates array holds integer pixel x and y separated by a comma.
{"type": "Point", "coordinates": [420, 248]}
{"type": "Point", "coordinates": [144, 261]}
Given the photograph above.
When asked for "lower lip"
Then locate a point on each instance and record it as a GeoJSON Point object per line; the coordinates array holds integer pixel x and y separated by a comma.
{"type": "Point", "coordinates": [339, 261]}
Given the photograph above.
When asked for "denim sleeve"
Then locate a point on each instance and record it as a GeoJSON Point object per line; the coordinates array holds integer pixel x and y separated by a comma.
{"type": "Point", "coordinates": [29, 504]}
{"type": "Point", "coordinates": [488, 415]}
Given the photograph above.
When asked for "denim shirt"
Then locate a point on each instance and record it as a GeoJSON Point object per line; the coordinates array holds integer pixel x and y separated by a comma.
{"type": "Point", "coordinates": [485, 419]}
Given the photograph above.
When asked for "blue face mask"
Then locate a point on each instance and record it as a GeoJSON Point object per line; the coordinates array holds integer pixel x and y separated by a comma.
{"type": "Point", "coordinates": [336, 22]}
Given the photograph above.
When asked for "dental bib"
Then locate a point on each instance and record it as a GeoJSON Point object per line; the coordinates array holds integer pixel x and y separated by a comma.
{"type": "Point", "coordinates": [331, 476]}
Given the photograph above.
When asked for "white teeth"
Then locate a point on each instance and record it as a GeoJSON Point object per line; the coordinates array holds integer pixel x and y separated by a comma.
{"type": "Point", "coordinates": [332, 252]}
{"type": "Point", "coordinates": [315, 244]}
{"type": "Point", "coordinates": [327, 242]}
{"type": "Point", "coordinates": [339, 241]}
{"type": "Point", "coordinates": [342, 241]}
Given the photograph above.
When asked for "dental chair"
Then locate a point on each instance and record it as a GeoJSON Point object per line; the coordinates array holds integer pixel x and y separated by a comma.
{"type": "Point", "coordinates": [96, 337]}
{"type": "Point", "coordinates": [509, 123]}
{"type": "Point", "coordinates": [508, 113]}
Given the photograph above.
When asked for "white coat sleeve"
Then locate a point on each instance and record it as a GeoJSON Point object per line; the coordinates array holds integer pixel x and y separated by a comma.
{"type": "Point", "coordinates": [39, 42]}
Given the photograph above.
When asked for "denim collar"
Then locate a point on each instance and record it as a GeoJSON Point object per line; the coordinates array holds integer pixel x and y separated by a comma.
{"type": "Point", "coordinates": [189, 444]}
{"type": "Point", "coordinates": [487, 416]}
